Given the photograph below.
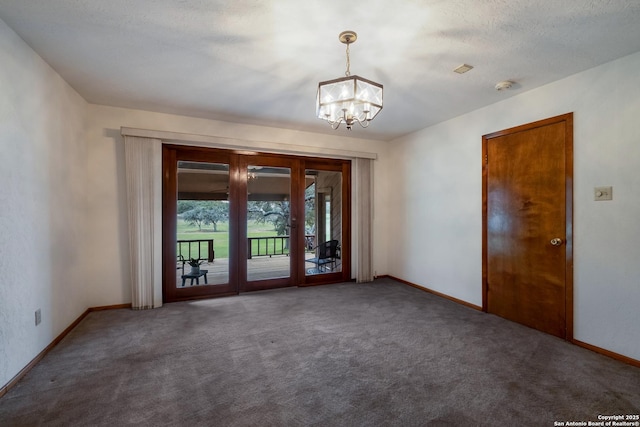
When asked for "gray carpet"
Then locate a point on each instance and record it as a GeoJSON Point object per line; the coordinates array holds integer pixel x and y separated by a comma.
{"type": "Point", "coordinates": [380, 354]}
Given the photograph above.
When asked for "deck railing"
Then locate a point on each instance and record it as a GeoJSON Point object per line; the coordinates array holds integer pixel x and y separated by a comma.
{"type": "Point", "coordinates": [202, 249]}
{"type": "Point", "coordinates": [188, 249]}
{"type": "Point", "coordinates": [272, 245]}
{"type": "Point", "coordinates": [263, 246]}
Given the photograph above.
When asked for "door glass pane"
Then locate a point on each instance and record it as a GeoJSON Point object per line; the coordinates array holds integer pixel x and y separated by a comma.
{"type": "Point", "coordinates": [203, 224]}
{"type": "Point", "coordinates": [268, 222]}
{"type": "Point", "coordinates": [323, 221]}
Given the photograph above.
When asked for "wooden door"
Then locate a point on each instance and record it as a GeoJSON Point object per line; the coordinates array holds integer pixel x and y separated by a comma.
{"type": "Point", "coordinates": [328, 203]}
{"type": "Point", "coordinates": [527, 225]}
{"type": "Point", "coordinates": [206, 179]}
{"type": "Point", "coordinates": [270, 190]}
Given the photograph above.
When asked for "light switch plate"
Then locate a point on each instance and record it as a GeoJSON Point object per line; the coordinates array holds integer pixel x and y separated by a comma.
{"type": "Point", "coordinates": [603, 193]}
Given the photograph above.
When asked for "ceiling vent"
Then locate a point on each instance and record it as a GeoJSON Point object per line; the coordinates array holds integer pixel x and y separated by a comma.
{"type": "Point", "coordinates": [463, 68]}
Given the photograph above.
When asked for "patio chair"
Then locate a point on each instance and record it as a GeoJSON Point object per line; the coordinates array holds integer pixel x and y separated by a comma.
{"type": "Point", "coordinates": [327, 254]}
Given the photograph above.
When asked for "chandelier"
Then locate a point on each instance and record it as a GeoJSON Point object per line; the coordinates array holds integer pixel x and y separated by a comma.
{"type": "Point", "coordinates": [349, 99]}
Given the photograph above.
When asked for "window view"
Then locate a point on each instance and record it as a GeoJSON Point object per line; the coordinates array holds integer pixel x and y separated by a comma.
{"type": "Point", "coordinates": [323, 221]}
{"type": "Point", "coordinates": [268, 222]}
{"type": "Point", "coordinates": [203, 224]}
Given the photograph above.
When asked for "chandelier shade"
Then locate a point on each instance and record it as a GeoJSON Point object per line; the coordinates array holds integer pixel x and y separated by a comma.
{"type": "Point", "coordinates": [349, 99]}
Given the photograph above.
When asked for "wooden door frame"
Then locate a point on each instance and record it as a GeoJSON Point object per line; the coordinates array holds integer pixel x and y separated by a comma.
{"type": "Point", "coordinates": [568, 120]}
{"type": "Point", "coordinates": [238, 159]}
{"type": "Point", "coordinates": [170, 292]}
{"type": "Point", "coordinates": [344, 275]}
{"type": "Point", "coordinates": [277, 161]}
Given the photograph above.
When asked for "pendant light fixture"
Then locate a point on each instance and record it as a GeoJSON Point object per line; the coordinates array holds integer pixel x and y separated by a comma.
{"type": "Point", "coordinates": [349, 99]}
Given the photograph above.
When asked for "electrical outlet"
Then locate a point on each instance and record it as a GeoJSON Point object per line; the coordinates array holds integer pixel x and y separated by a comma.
{"type": "Point", "coordinates": [603, 193]}
{"type": "Point", "coordinates": [38, 317]}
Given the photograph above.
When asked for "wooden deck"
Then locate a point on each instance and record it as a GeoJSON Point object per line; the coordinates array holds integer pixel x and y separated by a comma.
{"type": "Point", "coordinates": [258, 268]}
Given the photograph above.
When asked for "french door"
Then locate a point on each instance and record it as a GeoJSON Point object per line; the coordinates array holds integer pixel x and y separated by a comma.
{"type": "Point", "coordinates": [268, 256]}
{"type": "Point", "coordinates": [200, 193]}
{"type": "Point", "coordinates": [327, 205]}
{"type": "Point", "coordinates": [236, 222]}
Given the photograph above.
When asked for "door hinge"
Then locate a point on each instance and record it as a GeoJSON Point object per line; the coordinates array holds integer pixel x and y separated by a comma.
{"type": "Point", "coordinates": [486, 159]}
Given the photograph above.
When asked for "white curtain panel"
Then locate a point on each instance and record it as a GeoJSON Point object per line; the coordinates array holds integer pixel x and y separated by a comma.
{"type": "Point", "coordinates": [364, 219]}
{"type": "Point", "coordinates": [143, 164]}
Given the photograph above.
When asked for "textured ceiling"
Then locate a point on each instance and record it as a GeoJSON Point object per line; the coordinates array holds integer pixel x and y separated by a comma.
{"type": "Point", "coordinates": [259, 61]}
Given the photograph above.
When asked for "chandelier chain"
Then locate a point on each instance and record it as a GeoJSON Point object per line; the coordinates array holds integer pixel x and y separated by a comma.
{"type": "Point", "coordinates": [348, 72]}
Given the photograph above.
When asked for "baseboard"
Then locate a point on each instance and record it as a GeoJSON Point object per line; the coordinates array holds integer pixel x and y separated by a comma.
{"type": "Point", "coordinates": [431, 291]}
{"type": "Point", "coordinates": [110, 307]}
{"type": "Point", "coordinates": [608, 353]}
{"type": "Point", "coordinates": [53, 343]}
{"type": "Point", "coordinates": [591, 347]}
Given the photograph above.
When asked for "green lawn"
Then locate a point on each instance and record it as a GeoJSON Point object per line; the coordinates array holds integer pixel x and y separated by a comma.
{"type": "Point", "coordinates": [220, 238]}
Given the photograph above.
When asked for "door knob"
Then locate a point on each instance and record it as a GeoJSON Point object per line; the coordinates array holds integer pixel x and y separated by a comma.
{"type": "Point", "coordinates": [556, 241]}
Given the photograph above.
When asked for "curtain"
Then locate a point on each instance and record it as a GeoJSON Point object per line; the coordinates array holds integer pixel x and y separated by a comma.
{"type": "Point", "coordinates": [364, 219]}
{"type": "Point", "coordinates": [143, 164]}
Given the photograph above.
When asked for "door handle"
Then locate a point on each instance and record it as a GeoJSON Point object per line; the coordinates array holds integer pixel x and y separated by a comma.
{"type": "Point", "coordinates": [556, 241]}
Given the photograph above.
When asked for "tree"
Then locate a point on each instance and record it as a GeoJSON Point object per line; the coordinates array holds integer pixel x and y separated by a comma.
{"type": "Point", "coordinates": [207, 212]}
{"type": "Point", "coordinates": [195, 216]}
{"type": "Point", "coordinates": [186, 205]}
{"type": "Point", "coordinates": [310, 209]}
{"type": "Point", "coordinates": [276, 212]}
{"type": "Point", "coordinates": [216, 212]}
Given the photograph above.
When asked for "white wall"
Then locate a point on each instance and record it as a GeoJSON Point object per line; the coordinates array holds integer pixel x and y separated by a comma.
{"type": "Point", "coordinates": [42, 199]}
{"type": "Point", "coordinates": [440, 223]}
{"type": "Point", "coordinates": [108, 251]}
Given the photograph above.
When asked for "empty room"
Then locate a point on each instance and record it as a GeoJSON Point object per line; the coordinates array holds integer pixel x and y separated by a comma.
{"type": "Point", "coordinates": [319, 213]}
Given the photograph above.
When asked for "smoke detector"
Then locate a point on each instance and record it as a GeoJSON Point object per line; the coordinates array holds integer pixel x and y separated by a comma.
{"type": "Point", "coordinates": [504, 85]}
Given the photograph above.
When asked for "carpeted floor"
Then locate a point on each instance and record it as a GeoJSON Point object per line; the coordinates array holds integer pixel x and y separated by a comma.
{"type": "Point", "coordinates": [380, 354]}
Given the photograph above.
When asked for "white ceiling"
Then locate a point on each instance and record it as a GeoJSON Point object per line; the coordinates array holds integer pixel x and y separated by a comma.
{"type": "Point", "coordinates": [259, 61]}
